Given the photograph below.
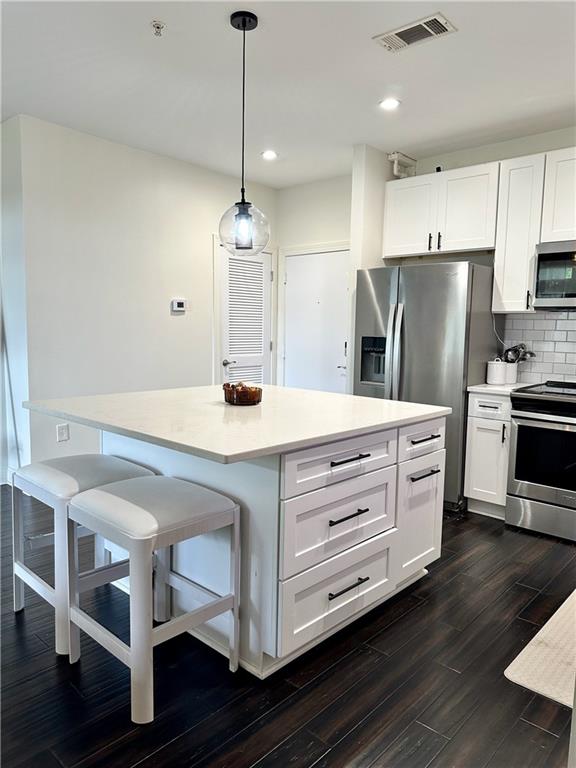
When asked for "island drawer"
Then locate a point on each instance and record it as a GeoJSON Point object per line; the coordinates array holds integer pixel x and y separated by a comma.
{"type": "Point", "coordinates": [319, 524]}
{"type": "Point", "coordinates": [327, 594]}
{"type": "Point", "coordinates": [323, 465]}
{"type": "Point", "coordinates": [419, 439]}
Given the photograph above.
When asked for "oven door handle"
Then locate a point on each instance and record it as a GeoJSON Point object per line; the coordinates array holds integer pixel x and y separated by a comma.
{"type": "Point", "coordinates": [545, 421]}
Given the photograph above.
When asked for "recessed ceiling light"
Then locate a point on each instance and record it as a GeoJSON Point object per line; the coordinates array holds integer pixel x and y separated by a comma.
{"type": "Point", "coordinates": [390, 104]}
{"type": "Point", "coordinates": [269, 154]}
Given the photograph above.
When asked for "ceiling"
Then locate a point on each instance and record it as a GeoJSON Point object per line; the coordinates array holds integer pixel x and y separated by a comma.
{"type": "Point", "coordinates": [315, 77]}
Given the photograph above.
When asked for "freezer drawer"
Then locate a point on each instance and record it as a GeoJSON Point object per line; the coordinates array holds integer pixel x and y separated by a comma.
{"type": "Point", "coordinates": [323, 596]}
{"type": "Point", "coordinates": [318, 525]}
{"type": "Point", "coordinates": [324, 465]}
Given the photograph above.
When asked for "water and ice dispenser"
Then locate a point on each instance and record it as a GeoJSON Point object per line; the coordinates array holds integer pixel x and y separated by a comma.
{"type": "Point", "coordinates": [373, 359]}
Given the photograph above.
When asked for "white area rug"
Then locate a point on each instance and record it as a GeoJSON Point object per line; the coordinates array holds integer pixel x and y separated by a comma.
{"type": "Point", "coordinates": [548, 663]}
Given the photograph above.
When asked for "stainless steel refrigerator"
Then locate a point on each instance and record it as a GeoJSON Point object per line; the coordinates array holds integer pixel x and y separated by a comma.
{"type": "Point", "coordinates": [423, 334]}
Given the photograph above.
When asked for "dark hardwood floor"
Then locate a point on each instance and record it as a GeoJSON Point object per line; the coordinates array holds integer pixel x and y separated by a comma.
{"type": "Point", "coordinates": [417, 682]}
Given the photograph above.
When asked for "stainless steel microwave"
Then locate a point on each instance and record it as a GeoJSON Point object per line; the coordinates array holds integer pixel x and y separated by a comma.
{"type": "Point", "coordinates": [555, 285]}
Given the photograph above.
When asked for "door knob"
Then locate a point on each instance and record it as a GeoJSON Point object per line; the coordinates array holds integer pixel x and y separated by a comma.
{"type": "Point", "coordinates": [226, 363]}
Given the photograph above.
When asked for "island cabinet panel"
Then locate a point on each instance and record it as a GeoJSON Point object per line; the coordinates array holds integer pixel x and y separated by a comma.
{"type": "Point", "coordinates": [328, 594]}
{"type": "Point", "coordinates": [318, 525]}
{"type": "Point", "coordinates": [324, 465]}
{"type": "Point", "coordinates": [419, 439]}
{"type": "Point", "coordinates": [419, 520]}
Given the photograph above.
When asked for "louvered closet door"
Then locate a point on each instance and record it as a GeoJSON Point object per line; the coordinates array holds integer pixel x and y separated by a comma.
{"type": "Point", "coordinates": [246, 326]}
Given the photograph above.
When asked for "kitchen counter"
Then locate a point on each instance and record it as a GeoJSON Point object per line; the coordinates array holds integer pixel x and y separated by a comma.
{"type": "Point", "coordinates": [341, 501]}
{"type": "Point", "coordinates": [496, 389]}
{"type": "Point", "coordinates": [196, 420]}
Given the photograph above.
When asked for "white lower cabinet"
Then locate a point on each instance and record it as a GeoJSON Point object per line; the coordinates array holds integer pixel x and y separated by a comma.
{"type": "Point", "coordinates": [329, 593]}
{"type": "Point", "coordinates": [420, 502]}
{"type": "Point", "coordinates": [486, 460]}
{"type": "Point", "coordinates": [358, 518]}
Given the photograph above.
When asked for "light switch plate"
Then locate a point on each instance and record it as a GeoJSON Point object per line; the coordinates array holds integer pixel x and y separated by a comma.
{"type": "Point", "coordinates": [62, 433]}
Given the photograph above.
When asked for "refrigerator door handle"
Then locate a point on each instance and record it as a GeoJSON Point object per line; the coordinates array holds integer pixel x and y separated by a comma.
{"type": "Point", "coordinates": [389, 353]}
{"type": "Point", "coordinates": [397, 353]}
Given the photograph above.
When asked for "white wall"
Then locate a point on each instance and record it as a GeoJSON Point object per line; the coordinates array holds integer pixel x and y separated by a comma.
{"type": "Point", "coordinates": [502, 150]}
{"type": "Point", "coordinates": [15, 422]}
{"type": "Point", "coordinates": [112, 234]}
{"type": "Point", "coordinates": [318, 212]}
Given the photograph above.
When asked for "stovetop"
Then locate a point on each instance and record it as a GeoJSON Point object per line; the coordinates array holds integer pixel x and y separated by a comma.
{"type": "Point", "coordinates": [554, 398]}
{"type": "Point", "coordinates": [549, 389]}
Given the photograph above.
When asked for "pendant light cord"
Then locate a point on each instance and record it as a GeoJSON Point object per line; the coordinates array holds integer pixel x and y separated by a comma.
{"type": "Point", "coordinates": [242, 189]}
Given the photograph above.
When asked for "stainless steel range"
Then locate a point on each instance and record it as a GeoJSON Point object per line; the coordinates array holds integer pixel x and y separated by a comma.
{"type": "Point", "coordinates": [542, 469]}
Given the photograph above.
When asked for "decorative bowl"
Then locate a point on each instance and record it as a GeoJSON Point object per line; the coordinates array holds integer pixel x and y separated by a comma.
{"type": "Point", "coordinates": [242, 394]}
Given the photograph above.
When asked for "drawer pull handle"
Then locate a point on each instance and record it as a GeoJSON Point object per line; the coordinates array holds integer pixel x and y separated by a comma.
{"type": "Point", "coordinates": [361, 580]}
{"type": "Point", "coordinates": [424, 439]}
{"type": "Point", "coordinates": [490, 407]}
{"type": "Point", "coordinates": [428, 474]}
{"type": "Point", "coordinates": [348, 517]}
{"type": "Point", "coordinates": [352, 458]}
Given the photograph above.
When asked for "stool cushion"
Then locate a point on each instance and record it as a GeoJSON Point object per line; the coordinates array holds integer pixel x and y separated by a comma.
{"type": "Point", "coordinates": [146, 507]}
{"type": "Point", "coordinates": [68, 475]}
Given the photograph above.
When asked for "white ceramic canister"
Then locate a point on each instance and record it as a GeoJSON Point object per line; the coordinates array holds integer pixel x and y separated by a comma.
{"type": "Point", "coordinates": [511, 373]}
{"type": "Point", "coordinates": [496, 373]}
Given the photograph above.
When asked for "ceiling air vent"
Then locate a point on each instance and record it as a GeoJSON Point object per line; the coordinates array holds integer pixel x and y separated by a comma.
{"type": "Point", "coordinates": [424, 29]}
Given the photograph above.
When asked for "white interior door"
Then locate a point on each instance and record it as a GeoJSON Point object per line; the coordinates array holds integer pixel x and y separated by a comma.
{"type": "Point", "coordinates": [317, 320]}
{"type": "Point", "coordinates": [246, 323]}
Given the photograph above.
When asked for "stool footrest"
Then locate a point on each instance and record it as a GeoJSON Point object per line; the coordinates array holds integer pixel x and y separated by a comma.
{"type": "Point", "coordinates": [191, 620]}
{"type": "Point", "coordinates": [41, 540]}
{"type": "Point", "coordinates": [105, 574]}
{"type": "Point", "coordinates": [34, 581]}
{"type": "Point", "coordinates": [101, 635]}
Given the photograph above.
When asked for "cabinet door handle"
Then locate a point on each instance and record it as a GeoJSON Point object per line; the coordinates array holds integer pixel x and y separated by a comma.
{"type": "Point", "coordinates": [429, 241]}
{"type": "Point", "coordinates": [360, 580]}
{"type": "Point", "coordinates": [348, 517]}
{"type": "Point", "coordinates": [503, 433]}
{"type": "Point", "coordinates": [424, 439]}
{"type": "Point", "coordinates": [527, 299]}
{"type": "Point", "coordinates": [439, 241]}
{"type": "Point", "coordinates": [428, 474]}
{"type": "Point", "coordinates": [352, 458]}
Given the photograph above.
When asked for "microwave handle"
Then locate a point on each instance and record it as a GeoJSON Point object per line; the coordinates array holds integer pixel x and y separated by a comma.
{"type": "Point", "coordinates": [527, 299]}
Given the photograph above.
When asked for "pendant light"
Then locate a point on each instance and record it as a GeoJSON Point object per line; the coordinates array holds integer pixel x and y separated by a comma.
{"type": "Point", "coordinates": [244, 229]}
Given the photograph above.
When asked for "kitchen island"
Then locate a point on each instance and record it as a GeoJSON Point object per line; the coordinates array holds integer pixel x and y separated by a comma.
{"type": "Point", "coordinates": [341, 500]}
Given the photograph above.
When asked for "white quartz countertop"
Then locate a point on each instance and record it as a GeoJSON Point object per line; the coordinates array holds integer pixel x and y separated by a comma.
{"type": "Point", "coordinates": [495, 389]}
{"type": "Point", "coordinates": [196, 420]}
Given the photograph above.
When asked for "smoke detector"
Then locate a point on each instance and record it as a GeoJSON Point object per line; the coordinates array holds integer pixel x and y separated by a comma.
{"type": "Point", "coordinates": [417, 32]}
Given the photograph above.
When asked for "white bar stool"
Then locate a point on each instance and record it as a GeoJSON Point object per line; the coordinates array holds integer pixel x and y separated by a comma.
{"type": "Point", "coordinates": [55, 482]}
{"type": "Point", "coordinates": [141, 516]}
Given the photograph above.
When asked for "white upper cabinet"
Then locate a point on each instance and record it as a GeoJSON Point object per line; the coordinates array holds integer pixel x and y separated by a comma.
{"type": "Point", "coordinates": [517, 232]}
{"type": "Point", "coordinates": [559, 208]}
{"type": "Point", "coordinates": [410, 215]}
{"type": "Point", "coordinates": [439, 212]}
{"type": "Point", "coordinates": [467, 203]}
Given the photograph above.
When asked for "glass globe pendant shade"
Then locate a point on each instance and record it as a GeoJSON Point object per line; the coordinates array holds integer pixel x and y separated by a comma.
{"type": "Point", "coordinates": [244, 230]}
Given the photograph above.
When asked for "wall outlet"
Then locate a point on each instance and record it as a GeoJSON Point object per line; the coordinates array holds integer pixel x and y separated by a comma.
{"type": "Point", "coordinates": [62, 433]}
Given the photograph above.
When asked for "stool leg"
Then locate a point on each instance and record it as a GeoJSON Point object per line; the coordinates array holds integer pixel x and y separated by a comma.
{"type": "Point", "coordinates": [162, 594]}
{"type": "Point", "coordinates": [141, 649]}
{"type": "Point", "coordinates": [73, 590]}
{"type": "Point", "coordinates": [101, 555]}
{"type": "Point", "coordinates": [17, 546]}
{"type": "Point", "coordinates": [235, 590]}
{"type": "Point", "coordinates": [61, 576]}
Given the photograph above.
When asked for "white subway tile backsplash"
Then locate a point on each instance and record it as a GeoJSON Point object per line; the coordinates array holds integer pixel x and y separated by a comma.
{"type": "Point", "coordinates": [552, 337]}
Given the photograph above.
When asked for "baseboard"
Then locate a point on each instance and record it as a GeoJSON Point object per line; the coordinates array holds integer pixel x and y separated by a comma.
{"type": "Point", "coordinates": [486, 508]}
